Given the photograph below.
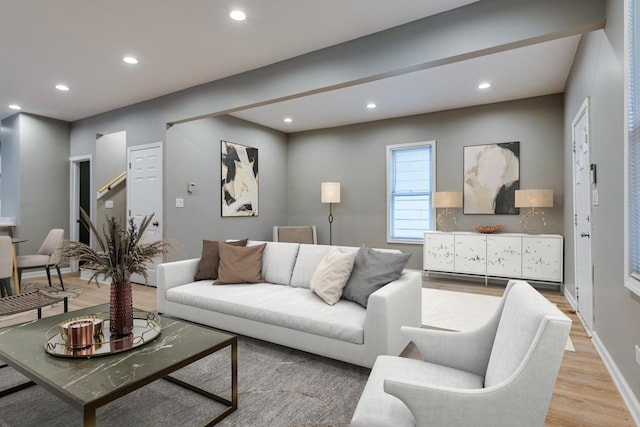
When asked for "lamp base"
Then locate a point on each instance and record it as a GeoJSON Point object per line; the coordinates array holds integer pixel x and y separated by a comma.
{"type": "Point", "coordinates": [529, 215]}
{"type": "Point", "coordinates": [441, 225]}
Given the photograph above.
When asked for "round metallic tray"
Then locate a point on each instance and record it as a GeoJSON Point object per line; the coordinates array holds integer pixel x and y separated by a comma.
{"type": "Point", "coordinates": [146, 327]}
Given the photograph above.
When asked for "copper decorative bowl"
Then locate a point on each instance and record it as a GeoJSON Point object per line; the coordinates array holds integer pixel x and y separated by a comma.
{"type": "Point", "coordinates": [488, 229]}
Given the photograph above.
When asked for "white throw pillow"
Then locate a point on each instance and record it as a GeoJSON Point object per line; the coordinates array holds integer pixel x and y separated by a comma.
{"type": "Point", "coordinates": [332, 274]}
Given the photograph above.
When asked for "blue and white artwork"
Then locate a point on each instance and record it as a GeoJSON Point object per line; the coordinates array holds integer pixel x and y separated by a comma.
{"type": "Point", "coordinates": [239, 167]}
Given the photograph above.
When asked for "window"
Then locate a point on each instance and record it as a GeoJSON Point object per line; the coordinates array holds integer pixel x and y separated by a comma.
{"type": "Point", "coordinates": [410, 182]}
{"type": "Point", "coordinates": [633, 147]}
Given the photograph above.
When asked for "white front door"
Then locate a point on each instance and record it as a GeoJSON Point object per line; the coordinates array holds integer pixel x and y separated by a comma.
{"type": "Point", "coordinates": [144, 196]}
{"type": "Point", "coordinates": [583, 179]}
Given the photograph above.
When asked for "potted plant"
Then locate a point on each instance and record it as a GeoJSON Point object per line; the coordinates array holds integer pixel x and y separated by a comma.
{"type": "Point", "coordinates": [120, 254]}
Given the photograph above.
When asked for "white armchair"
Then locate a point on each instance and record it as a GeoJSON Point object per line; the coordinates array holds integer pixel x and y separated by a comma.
{"type": "Point", "coordinates": [501, 374]}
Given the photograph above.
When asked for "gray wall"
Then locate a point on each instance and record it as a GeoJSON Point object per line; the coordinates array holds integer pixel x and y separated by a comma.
{"type": "Point", "coordinates": [599, 74]}
{"type": "Point", "coordinates": [111, 161]}
{"type": "Point", "coordinates": [192, 154]}
{"type": "Point", "coordinates": [356, 156]}
{"type": "Point", "coordinates": [35, 176]}
{"type": "Point", "coordinates": [10, 185]}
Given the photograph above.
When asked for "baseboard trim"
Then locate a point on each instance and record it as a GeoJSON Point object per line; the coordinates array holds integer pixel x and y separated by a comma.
{"type": "Point", "coordinates": [630, 400]}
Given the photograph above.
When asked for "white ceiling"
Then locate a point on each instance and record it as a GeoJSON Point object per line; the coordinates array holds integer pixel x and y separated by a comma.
{"type": "Point", "coordinates": [182, 44]}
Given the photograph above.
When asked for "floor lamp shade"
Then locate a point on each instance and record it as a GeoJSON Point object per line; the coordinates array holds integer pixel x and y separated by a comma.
{"type": "Point", "coordinates": [330, 192]}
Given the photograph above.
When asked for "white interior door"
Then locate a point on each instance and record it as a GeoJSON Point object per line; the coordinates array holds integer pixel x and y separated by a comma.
{"type": "Point", "coordinates": [144, 196]}
{"type": "Point", "coordinates": [584, 185]}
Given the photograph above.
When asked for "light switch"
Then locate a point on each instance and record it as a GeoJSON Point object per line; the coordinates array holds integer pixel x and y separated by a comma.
{"type": "Point", "coordinates": [179, 203]}
{"type": "Point", "coordinates": [108, 204]}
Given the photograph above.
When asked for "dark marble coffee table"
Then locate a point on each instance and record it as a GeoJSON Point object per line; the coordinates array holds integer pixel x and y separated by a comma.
{"type": "Point", "coordinates": [87, 384]}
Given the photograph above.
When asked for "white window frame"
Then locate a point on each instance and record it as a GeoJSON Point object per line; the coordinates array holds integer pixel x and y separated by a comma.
{"type": "Point", "coordinates": [632, 281]}
{"type": "Point", "coordinates": [390, 149]}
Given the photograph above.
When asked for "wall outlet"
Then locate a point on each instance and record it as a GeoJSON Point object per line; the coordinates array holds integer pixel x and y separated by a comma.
{"type": "Point", "coordinates": [638, 354]}
{"type": "Point", "coordinates": [179, 203]}
{"type": "Point", "coordinates": [108, 204]}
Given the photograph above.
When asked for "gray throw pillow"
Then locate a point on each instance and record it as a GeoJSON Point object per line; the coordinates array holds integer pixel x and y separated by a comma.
{"type": "Point", "coordinates": [371, 271]}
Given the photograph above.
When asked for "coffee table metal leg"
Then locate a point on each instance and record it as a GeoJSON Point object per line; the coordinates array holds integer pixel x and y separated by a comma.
{"type": "Point", "coordinates": [232, 404]}
{"type": "Point", "coordinates": [89, 415]}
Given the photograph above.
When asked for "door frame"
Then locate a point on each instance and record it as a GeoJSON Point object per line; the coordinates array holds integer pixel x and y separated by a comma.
{"type": "Point", "coordinates": [582, 111]}
{"type": "Point", "coordinates": [74, 199]}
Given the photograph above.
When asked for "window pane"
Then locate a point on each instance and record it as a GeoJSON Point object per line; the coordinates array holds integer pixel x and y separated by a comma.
{"type": "Point", "coordinates": [410, 172]}
{"type": "Point", "coordinates": [634, 141]}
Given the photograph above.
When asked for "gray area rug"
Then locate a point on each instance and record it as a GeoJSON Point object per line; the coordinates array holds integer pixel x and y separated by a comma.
{"type": "Point", "coordinates": [278, 386]}
{"type": "Point", "coordinates": [69, 291]}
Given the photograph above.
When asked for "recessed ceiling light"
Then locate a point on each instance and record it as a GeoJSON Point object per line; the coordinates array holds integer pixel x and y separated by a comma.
{"type": "Point", "coordinates": [371, 105]}
{"type": "Point", "coordinates": [484, 85]}
{"type": "Point", "coordinates": [238, 15]}
{"type": "Point", "coordinates": [62, 87]}
{"type": "Point", "coordinates": [130, 60]}
{"type": "Point", "coordinates": [288, 119]}
{"type": "Point", "coordinates": [15, 107]}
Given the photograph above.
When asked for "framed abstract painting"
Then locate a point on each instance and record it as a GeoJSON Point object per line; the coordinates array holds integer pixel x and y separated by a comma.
{"type": "Point", "coordinates": [491, 177]}
{"type": "Point", "coordinates": [239, 169]}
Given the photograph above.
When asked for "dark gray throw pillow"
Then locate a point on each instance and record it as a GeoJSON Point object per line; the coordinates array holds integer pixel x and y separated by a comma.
{"type": "Point", "coordinates": [371, 271]}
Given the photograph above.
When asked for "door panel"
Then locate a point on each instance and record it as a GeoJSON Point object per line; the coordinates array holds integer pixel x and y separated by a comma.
{"type": "Point", "coordinates": [144, 196]}
{"type": "Point", "coordinates": [583, 187]}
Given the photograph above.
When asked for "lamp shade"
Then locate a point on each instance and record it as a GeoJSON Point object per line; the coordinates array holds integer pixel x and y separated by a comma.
{"type": "Point", "coordinates": [330, 192]}
{"type": "Point", "coordinates": [534, 198]}
{"type": "Point", "coordinates": [447, 199]}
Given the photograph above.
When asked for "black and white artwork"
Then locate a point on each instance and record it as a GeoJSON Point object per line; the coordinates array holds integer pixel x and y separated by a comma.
{"type": "Point", "coordinates": [239, 167]}
{"type": "Point", "coordinates": [491, 178]}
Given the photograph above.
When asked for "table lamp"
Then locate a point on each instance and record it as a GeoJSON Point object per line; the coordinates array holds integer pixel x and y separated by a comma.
{"type": "Point", "coordinates": [533, 199]}
{"type": "Point", "coordinates": [446, 200]}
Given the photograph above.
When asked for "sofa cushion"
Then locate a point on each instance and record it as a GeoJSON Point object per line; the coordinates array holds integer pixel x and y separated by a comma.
{"type": "Point", "coordinates": [331, 275]}
{"type": "Point", "coordinates": [210, 259]}
{"type": "Point", "coordinates": [240, 264]}
{"type": "Point", "coordinates": [285, 306]}
{"type": "Point", "coordinates": [372, 270]}
{"type": "Point", "coordinates": [278, 260]}
{"type": "Point", "coordinates": [309, 257]}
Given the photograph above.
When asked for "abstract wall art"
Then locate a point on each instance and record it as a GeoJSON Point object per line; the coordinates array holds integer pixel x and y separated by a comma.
{"type": "Point", "coordinates": [239, 167]}
{"type": "Point", "coordinates": [491, 177]}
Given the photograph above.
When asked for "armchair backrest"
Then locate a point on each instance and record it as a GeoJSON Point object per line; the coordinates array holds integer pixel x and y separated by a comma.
{"type": "Point", "coordinates": [6, 257]}
{"type": "Point", "coordinates": [295, 234]}
{"type": "Point", "coordinates": [51, 243]}
{"type": "Point", "coordinates": [526, 317]}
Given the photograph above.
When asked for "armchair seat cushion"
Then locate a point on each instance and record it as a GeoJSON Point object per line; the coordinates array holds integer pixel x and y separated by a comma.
{"type": "Point", "coordinates": [376, 407]}
{"type": "Point", "coordinates": [29, 261]}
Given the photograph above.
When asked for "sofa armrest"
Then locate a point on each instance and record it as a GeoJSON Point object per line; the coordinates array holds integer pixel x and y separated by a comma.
{"type": "Point", "coordinates": [176, 273]}
{"type": "Point", "coordinates": [395, 304]}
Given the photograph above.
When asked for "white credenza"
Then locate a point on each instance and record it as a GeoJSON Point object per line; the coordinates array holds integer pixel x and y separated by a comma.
{"type": "Point", "coordinates": [536, 257]}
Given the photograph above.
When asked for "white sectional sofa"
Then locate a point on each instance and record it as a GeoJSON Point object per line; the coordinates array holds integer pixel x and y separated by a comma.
{"type": "Point", "coordinates": [283, 309]}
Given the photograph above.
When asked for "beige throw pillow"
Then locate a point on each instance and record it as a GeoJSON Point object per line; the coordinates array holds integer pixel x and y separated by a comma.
{"type": "Point", "coordinates": [240, 264]}
{"type": "Point", "coordinates": [332, 274]}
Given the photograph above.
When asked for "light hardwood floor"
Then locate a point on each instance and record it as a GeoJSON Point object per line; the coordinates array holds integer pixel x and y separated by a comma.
{"type": "Point", "coordinates": [584, 394]}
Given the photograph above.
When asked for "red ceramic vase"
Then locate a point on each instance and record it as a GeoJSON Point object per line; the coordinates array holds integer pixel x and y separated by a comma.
{"type": "Point", "coordinates": [121, 310]}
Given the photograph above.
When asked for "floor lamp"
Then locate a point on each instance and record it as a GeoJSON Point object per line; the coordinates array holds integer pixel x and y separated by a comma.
{"type": "Point", "coordinates": [330, 193]}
